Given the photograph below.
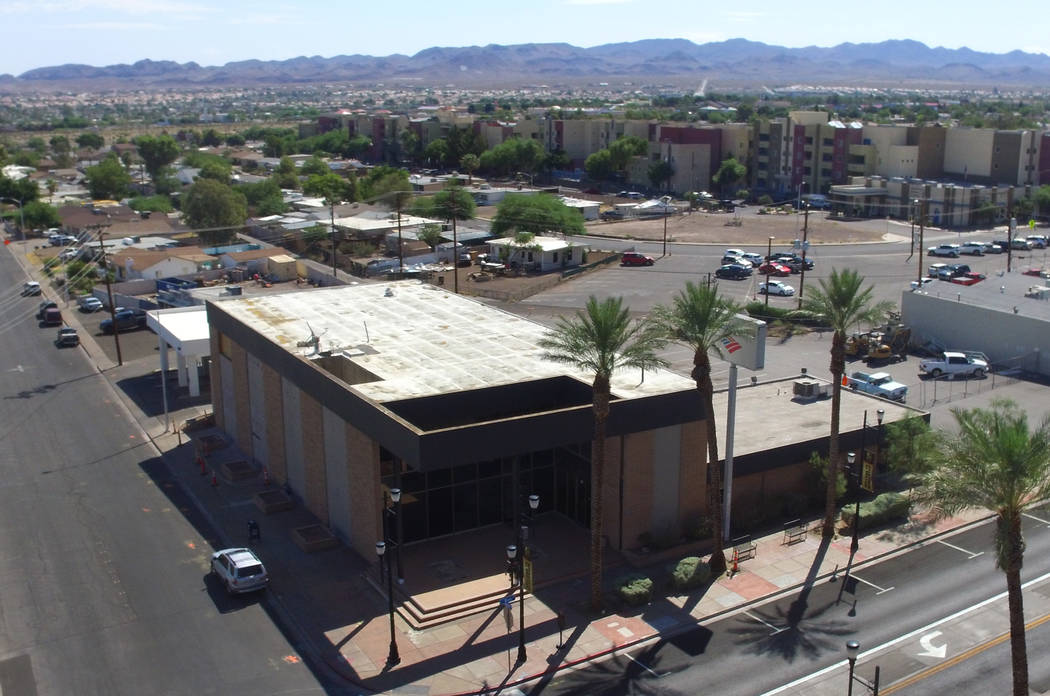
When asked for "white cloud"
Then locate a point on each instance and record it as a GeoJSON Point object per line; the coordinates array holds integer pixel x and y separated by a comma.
{"type": "Point", "coordinates": [114, 26]}
{"type": "Point", "coordinates": [597, 2]}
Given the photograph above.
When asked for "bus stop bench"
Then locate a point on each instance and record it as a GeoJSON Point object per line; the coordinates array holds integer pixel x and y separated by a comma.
{"type": "Point", "coordinates": [744, 548]}
{"type": "Point", "coordinates": [794, 531]}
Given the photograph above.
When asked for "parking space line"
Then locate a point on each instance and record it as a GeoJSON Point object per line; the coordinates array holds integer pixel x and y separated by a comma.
{"type": "Point", "coordinates": [765, 623]}
{"type": "Point", "coordinates": [643, 666]}
{"type": "Point", "coordinates": [871, 584]}
{"type": "Point", "coordinates": [971, 554]}
{"type": "Point", "coordinates": [1033, 517]}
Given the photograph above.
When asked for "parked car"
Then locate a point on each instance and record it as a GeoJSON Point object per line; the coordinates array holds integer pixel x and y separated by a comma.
{"type": "Point", "coordinates": [633, 258]}
{"type": "Point", "coordinates": [611, 215]}
{"type": "Point", "coordinates": [90, 303]}
{"type": "Point", "coordinates": [30, 287]}
{"type": "Point", "coordinates": [630, 194]}
{"type": "Point", "coordinates": [972, 248]}
{"type": "Point", "coordinates": [954, 270]}
{"type": "Point", "coordinates": [990, 248]}
{"type": "Point", "coordinates": [755, 259]}
{"type": "Point", "coordinates": [968, 278]}
{"type": "Point", "coordinates": [775, 287]}
{"type": "Point", "coordinates": [925, 280]}
{"type": "Point", "coordinates": [935, 270]}
{"type": "Point", "coordinates": [240, 570]}
{"type": "Point", "coordinates": [67, 336]}
{"type": "Point", "coordinates": [774, 268]}
{"type": "Point", "coordinates": [793, 261]}
{"type": "Point", "coordinates": [1038, 241]}
{"type": "Point", "coordinates": [953, 362]}
{"type": "Point", "coordinates": [733, 271]}
{"type": "Point", "coordinates": [879, 384]}
{"type": "Point", "coordinates": [739, 260]}
{"type": "Point", "coordinates": [126, 320]}
{"type": "Point", "coordinates": [950, 250]}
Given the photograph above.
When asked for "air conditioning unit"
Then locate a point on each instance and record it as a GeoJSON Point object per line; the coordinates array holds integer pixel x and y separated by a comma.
{"type": "Point", "coordinates": [810, 389]}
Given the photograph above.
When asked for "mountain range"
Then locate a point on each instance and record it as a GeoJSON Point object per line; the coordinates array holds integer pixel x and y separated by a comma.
{"type": "Point", "coordinates": [733, 63]}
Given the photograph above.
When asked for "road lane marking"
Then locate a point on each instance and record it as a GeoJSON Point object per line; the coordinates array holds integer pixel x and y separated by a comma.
{"type": "Point", "coordinates": [931, 650]}
{"type": "Point", "coordinates": [765, 623]}
{"type": "Point", "coordinates": [965, 655]}
{"type": "Point", "coordinates": [899, 639]}
{"type": "Point", "coordinates": [1033, 517]}
{"type": "Point", "coordinates": [643, 666]}
{"type": "Point", "coordinates": [971, 554]}
{"type": "Point", "coordinates": [871, 584]}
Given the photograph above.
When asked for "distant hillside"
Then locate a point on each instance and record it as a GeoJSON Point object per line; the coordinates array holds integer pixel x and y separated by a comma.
{"type": "Point", "coordinates": [738, 62]}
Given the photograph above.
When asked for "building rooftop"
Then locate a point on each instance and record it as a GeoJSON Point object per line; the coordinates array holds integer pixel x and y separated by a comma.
{"type": "Point", "coordinates": [406, 340]}
{"type": "Point", "coordinates": [1009, 292]}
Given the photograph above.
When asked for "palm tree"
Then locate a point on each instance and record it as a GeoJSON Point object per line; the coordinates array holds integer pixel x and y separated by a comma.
{"type": "Point", "coordinates": [602, 339]}
{"type": "Point", "coordinates": [700, 318]}
{"type": "Point", "coordinates": [842, 304]}
{"type": "Point", "coordinates": [995, 463]}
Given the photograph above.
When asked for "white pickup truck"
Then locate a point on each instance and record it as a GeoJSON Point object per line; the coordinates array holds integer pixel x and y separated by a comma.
{"type": "Point", "coordinates": [879, 384]}
{"type": "Point", "coordinates": [953, 363]}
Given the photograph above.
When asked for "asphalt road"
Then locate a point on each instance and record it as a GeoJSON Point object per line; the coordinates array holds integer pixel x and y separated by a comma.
{"type": "Point", "coordinates": [103, 565]}
{"type": "Point", "coordinates": [764, 647]}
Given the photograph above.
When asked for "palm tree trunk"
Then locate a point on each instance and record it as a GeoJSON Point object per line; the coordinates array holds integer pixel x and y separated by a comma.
{"type": "Point", "coordinates": [838, 367]}
{"type": "Point", "coordinates": [1018, 650]}
{"type": "Point", "coordinates": [601, 416]}
{"type": "Point", "coordinates": [702, 376]}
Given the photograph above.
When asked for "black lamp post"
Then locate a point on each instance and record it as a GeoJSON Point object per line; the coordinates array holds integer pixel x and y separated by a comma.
{"type": "Point", "coordinates": [852, 650]}
{"type": "Point", "coordinates": [879, 415]}
{"type": "Point", "coordinates": [391, 516]}
{"type": "Point", "coordinates": [392, 658]}
{"type": "Point", "coordinates": [769, 253]}
{"type": "Point", "coordinates": [516, 569]}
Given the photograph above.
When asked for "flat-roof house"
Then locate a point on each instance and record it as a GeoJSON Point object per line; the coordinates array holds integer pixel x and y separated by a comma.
{"type": "Point", "coordinates": [140, 263]}
{"type": "Point", "coordinates": [538, 254]}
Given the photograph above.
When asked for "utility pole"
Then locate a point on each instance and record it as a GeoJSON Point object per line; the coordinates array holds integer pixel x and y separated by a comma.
{"type": "Point", "coordinates": [922, 229]}
{"type": "Point", "coordinates": [109, 294]}
{"type": "Point", "coordinates": [665, 232]}
{"type": "Point", "coordinates": [331, 213]}
{"type": "Point", "coordinates": [769, 252]}
{"type": "Point", "coordinates": [1010, 242]}
{"type": "Point", "coordinates": [805, 245]}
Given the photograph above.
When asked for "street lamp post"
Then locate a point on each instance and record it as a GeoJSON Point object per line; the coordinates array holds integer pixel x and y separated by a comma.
{"type": "Point", "coordinates": [392, 657]}
{"type": "Point", "coordinates": [769, 253]}
{"type": "Point", "coordinates": [922, 229]}
{"type": "Point", "coordinates": [852, 650]}
{"type": "Point", "coordinates": [805, 247]}
{"type": "Point", "coordinates": [879, 416]}
{"type": "Point", "coordinates": [391, 515]}
{"type": "Point", "coordinates": [517, 557]}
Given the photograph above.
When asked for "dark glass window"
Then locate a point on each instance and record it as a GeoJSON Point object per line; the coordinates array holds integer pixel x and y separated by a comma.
{"type": "Point", "coordinates": [439, 511]}
{"type": "Point", "coordinates": [465, 506]}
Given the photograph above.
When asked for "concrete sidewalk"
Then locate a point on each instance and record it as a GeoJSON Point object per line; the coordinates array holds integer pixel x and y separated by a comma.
{"type": "Point", "coordinates": [332, 601]}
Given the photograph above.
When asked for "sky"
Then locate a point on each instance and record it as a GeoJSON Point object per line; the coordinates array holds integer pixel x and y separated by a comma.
{"type": "Point", "coordinates": [42, 33]}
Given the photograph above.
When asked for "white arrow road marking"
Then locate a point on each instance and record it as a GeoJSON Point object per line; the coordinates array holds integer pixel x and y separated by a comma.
{"type": "Point", "coordinates": [971, 554]}
{"type": "Point", "coordinates": [17, 368]}
{"type": "Point", "coordinates": [929, 650]}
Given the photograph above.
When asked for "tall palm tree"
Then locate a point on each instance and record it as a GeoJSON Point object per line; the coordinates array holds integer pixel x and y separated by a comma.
{"type": "Point", "coordinates": [700, 318]}
{"type": "Point", "coordinates": [843, 304]}
{"type": "Point", "coordinates": [602, 339]}
{"type": "Point", "coordinates": [996, 463]}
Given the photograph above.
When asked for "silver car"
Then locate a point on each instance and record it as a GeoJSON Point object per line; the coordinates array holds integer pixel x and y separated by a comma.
{"type": "Point", "coordinates": [240, 570]}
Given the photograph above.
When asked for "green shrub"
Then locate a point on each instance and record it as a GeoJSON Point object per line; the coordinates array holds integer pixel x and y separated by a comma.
{"type": "Point", "coordinates": [689, 573]}
{"type": "Point", "coordinates": [635, 590]}
{"type": "Point", "coordinates": [765, 199]}
{"type": "Point", "coordinates": [885, 507]}
{"type": "Point", "coordinates": [697, 529]}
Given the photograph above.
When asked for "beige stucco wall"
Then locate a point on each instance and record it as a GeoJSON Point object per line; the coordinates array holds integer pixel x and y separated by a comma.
{"type": "Point", "coordinates": [968, 150]}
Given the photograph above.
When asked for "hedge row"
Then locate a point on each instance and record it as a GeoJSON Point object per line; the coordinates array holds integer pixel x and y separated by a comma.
{"type": "Point", "coordinates": [689, 573]}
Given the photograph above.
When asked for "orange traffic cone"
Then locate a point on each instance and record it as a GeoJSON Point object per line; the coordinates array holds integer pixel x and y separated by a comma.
{"type": "Point", "coordinates": [736, 563]}
{"type": "Point", "coordinates": [214, 479]}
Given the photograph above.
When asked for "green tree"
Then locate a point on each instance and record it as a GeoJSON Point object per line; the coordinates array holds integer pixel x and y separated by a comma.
{"type": "Point", "coordinates": [599, 165]}
{"type": "Point", "coordinates": [469, 163]}
{"type": "Point", "coordinates": [37, 145]}
{"type": "Point", "coordinates": [996, 463]}
{"type": "Point", "coordinates": [265, 197]}
{"type": "Point", "coordinates": [215, 210]}
{"type": "Point", "coordinates": [157, 153]}
{"type": "Point", "coordinates": [431, 234]}
{"type": "Point", "coordinates": [219, 171]}
{"type": "Point", "coordinates": [842, 304]}
{"type": "Point", "coordinates": [235, 140]}
{"type": "Point", "coordinates": [381, 181]}
{"type": "Point", "coordinates": [911, 446]}
{"type": "Point", "coordinates": [93, 141]}
{"type": "Point", "coordinates": [108, 178]}
{"type": "Point", "coordinates": [329, 186]}
{"type": "Point", "coordinates": [660, 173]}
{"type": "Point", "coordinates": [436, 152]}
{"type": "Point", "coordinates": [539, 213]}
{"type": "Point", "coordinates": [624, 148]}
{"type": "Point", "coordinates": [60, 145]}
{"type": "Point", "coordinates": [315, 166]}
{"type": "Point", "coordinates": [729, 173]}
{"type": "Point", "coordinates": [1023, 208]}
{"type": "Point", "coordinates": [454, 203]}
{"type": "Point", "coordinates": [1042, 200]}
{"type": "Point", "coordinates": [39, 214]}
{"type": "Point", "coordinates": [211, 138]}
{"type": "Point", "coordinates": [513, 155]}
{"type": "Point", "coordinates": [602, 339]}
{"type": "Point", "coordinates": [699, 318]}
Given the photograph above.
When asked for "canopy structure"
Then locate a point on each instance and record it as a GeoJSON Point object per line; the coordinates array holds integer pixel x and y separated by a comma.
{"type": "Point", "coordinates": [186, 330]}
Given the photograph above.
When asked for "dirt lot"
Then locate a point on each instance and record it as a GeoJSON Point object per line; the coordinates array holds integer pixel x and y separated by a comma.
{"type": "Point", "coordinates": [718, 228]}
